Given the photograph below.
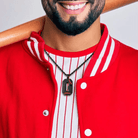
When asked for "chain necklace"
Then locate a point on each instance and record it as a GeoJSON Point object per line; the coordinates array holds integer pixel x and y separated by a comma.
{"type": "Point", "coordinates": [67, 84]}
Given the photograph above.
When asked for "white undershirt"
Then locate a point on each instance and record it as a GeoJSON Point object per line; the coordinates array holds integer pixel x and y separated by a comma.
{"type": "Point", "coordinates": [65, 123]}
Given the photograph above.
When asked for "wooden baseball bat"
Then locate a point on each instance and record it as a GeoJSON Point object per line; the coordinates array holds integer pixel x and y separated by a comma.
{"type": "Point", "coordinates": [23, 31]}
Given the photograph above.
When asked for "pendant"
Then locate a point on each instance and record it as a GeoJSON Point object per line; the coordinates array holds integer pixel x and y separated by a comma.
{"type": "Point", "coordinates": [67, 87]}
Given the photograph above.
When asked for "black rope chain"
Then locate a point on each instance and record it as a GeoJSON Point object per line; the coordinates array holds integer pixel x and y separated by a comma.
{"type": "Point", "coordinates": [68, 75]}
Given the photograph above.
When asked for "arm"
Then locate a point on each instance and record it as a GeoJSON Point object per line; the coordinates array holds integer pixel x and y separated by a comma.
{"type": "Point", "coordinates": [23, 31]}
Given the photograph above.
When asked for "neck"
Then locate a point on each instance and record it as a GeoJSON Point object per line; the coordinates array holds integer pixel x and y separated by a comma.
{"type": "Point", "coordinates": [56, 39]}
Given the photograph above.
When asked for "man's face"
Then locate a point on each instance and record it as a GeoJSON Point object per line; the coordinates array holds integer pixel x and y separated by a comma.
{"type": "Point", "coordinates": [73, 17]}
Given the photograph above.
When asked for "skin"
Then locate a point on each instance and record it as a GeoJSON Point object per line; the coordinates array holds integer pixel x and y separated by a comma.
{"type": "Point", "coordinates": [72, 32]}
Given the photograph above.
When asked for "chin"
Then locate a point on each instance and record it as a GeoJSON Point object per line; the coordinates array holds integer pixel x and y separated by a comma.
{"type": "Point", "coordinates": [72, 26]}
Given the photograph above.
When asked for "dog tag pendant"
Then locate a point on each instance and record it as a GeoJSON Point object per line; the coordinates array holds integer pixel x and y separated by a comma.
{"type": "Point", "coordinates": [67, 87]}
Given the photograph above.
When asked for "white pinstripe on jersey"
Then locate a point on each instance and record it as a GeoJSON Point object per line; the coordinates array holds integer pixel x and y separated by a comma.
{"type": "Point", "coordinates": [65, 124]}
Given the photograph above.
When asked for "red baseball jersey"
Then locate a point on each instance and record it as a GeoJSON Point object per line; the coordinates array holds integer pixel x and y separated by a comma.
{"type": "Point", "coordinates": [104, 100]}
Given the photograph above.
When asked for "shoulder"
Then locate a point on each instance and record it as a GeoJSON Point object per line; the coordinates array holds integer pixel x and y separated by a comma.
{"type": "Point", "coordinates": [11, 47]}
{"type": "Point", "coordinates": [127, 56]}
{"type": "Point", "coordinates": [127, 51]}
{"type": "Point", "coordinates": [12, 50]}
{"type": "Point", "coordinates": [13, 55]}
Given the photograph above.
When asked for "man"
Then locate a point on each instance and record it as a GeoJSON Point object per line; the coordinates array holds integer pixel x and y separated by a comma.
{"type": "Point", "coordinates": [71, 80]}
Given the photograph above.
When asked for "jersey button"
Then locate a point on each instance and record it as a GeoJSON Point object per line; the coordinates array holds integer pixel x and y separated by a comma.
{"type": "Point", "coordinates": [83, 85]}
{"type": "Point", "coordinates": [88, 132]}
{"type": "Point", "coordinates": [45, 112]}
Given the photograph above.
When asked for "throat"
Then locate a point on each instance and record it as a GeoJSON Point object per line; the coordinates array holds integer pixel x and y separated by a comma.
{"type": "Point", "coordinates": [58, 40]}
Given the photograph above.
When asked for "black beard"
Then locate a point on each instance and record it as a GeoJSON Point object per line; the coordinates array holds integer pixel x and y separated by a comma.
{"type": "Point", "coordinates": [73, 27]}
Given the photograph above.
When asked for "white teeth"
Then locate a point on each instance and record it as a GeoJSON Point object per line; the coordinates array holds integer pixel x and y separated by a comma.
{"type": "Point", "coordinates": [74, 7]}
{"type": "Point", "coordinates": [68, 7]}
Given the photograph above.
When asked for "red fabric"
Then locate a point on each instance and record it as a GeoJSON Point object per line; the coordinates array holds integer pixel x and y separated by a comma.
{"type": "Point", "coordinates": [108, 106]}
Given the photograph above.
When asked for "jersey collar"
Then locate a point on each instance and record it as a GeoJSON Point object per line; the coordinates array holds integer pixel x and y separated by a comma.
{"type": "Point", "coordinates": [104, 55]}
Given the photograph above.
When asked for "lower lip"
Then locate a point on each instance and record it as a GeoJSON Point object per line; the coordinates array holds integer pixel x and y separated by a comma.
{"type": "Point", "coordinates": [78, 11]}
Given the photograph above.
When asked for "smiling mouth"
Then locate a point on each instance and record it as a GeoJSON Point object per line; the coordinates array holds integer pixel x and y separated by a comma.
{"type": "Point", "coordinates": [73, 6]}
